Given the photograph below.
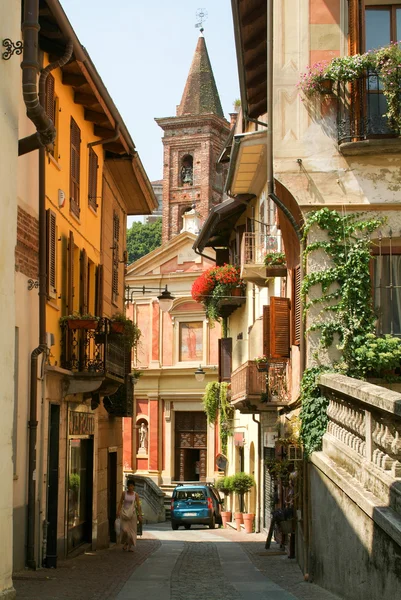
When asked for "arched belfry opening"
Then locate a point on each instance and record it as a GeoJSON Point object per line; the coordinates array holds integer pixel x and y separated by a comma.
{"type": "Point", "coordinates": [187, 170]}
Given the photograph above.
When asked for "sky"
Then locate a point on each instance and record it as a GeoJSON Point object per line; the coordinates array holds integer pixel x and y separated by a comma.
{"type": "Point", "coordinates": [143, 50]}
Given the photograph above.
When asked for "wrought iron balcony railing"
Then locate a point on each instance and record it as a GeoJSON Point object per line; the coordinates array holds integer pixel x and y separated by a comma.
{"type": "Point", "coordinates": [362, 109]}
{"type": "Point", "coordinates": [92, 347]}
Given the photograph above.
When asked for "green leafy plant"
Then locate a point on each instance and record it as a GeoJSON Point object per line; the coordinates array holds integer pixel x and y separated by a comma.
{"type": "Point", "coordinates": [77, 316]}
{"type": "Point", "coordinates": [242, 483]}
{"type": "Point", "coordinates": [280, 470]}
{"type": "Point", "coordinates": [379, 355]}
{"type": "Point", "coordinates": [225, 486]}
{"type": "Point", "coordinates": [131, 332]}
{"type": "Point", "coordinates": [274, 259]}
{"type": "Point", "coordinates": [216, 405]}
{"type": "Point", "coordinates": [74, 481]}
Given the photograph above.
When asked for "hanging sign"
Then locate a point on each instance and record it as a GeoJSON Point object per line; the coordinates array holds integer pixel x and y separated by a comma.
{"type": "Point", "coordinates": [81, 423]}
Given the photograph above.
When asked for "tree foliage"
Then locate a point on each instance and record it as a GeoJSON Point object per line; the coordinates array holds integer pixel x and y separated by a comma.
{"type": "Point", "coordinates": [142, 238]}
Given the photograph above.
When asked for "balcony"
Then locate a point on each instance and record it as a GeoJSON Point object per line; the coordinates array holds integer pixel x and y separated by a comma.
{"type": "Point", "coordinates": [361, 117]}
{"type": "Point", "coordinates": [96, 356]}
{"type": "Point", "coordinates": [253, 390]}
{"type": "Point", "coordinates": [254, 248]}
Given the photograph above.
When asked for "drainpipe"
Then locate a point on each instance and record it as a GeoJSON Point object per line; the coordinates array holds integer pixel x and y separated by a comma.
{"type": "Point", "coordinates": [258, 423]}
{"type": "Point", "coordinates": [114, 138]}
{"type": "Point", "coordinates": [35, 112]}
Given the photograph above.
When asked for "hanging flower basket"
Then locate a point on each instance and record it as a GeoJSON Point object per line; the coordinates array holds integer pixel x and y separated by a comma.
{"type": "Point", "coordinates": [76, 323]}
{"type": "Point", "coordinates": [326, 86]}
{"type": "Point", "coordinates": [276, 271]}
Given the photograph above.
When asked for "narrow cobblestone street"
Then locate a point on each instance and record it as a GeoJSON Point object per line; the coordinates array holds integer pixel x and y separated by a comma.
{"type": "Point", "coordinates": [198, 564]}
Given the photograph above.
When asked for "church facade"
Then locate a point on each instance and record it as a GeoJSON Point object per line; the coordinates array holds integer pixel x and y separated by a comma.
{"type": "Point", "coordinates": [168, 438]}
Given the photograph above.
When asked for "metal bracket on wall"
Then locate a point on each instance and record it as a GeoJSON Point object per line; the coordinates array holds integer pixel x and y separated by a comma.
{"type": "Point", "coordinates": [32, 284]}
{"type": "Point", "coordinates": [11, 48]}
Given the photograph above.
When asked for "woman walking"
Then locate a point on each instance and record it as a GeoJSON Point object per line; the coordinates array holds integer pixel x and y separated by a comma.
{"type": "Point", "coordinates": [129, 511]}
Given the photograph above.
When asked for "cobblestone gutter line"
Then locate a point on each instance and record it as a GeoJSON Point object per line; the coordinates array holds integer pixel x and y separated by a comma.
{"type": "Point", "coordinates": [198, 574]}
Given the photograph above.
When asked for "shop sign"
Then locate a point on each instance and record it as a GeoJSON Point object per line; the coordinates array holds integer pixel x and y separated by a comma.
{"type": "Point", "coordinates": [81, 423]}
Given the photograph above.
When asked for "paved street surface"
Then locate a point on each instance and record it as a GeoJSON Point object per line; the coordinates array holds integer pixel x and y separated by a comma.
{"type": "Point", "coordinates": [199, 564]}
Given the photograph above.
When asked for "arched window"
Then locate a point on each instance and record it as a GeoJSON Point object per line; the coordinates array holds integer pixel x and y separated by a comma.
{"type": "Point", "coordinates": [187, 169]}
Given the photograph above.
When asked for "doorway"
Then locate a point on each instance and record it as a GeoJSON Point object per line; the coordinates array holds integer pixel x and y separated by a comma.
{"type": "Point", "coordinates": [50, 560]}
{"type": "Point", "coordinates": [112, 494]}
{"type": "Point", "coordinates": [190, 446]}
{"type": "Point", "coordinates": [80, 492]}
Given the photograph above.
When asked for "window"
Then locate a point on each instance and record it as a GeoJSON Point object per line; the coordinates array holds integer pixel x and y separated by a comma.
{"type": "Point", "coordinates": [51, 108]}
{"type": "Point", "coordinates": [92, 179]}
{"type": "Point", "coordinates": [51, 242]}
{"type": "Point", "coordinates": [382, 26]}
{"type": "Point", "coordinates": [387, 293]}
{"type": "Point", "coordinates": [116, 238]}
{"type": "Point", "coordinates": [75, 167]}
{"type": "Point", "coordinates": [187, 170]}
{"type": "Point", "coordinates": [191, 341]}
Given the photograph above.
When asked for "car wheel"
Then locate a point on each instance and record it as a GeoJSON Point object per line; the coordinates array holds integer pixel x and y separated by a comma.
{"type": "Point", "coordinates": [212, 524]}
{"type": "Point", "coordinates": [174, 525]}
{"type": "Point", "coordinates": [187, 526]}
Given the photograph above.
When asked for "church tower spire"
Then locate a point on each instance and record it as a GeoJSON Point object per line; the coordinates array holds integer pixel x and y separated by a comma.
{"type": "Point", "coordinates": [200, 94]}
{"type": "Point", "coordinates": [193, 141]}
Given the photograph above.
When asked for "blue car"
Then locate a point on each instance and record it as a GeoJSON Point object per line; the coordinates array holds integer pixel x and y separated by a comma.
{"type": "Point", "coordinates": [195, 505]}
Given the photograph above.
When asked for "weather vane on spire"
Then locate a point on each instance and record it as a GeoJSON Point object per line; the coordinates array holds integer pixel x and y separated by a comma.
{"type": "Point", "coordinates": [201, 15]}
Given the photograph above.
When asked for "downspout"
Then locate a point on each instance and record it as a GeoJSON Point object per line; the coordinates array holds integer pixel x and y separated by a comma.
{"type": "Point", "coordinates": [257, 525]}
{"type": "Point", "coordinates": [114, 138]}
{"type": "Point", "coordinates": [42, 347]}
{"type": "Point", "coordinates": [204, 255]}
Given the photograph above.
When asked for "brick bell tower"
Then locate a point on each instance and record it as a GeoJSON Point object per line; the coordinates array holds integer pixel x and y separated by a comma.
{"type": "Point", "coordinates": [193, 141]}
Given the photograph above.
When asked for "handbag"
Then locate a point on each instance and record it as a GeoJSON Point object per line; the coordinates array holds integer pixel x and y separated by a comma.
{"type": "Point", "coordinates": [117, 526]}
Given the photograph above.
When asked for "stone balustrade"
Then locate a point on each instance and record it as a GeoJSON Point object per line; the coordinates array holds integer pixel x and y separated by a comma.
{"type": "Point", "coordinates": [364, 432]}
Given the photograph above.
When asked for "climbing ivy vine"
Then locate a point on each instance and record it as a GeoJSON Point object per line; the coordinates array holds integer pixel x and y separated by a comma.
{"type": "Point", "coordinates": [346, 306]}
{"type": "Point", "coordinates": [216, 405]}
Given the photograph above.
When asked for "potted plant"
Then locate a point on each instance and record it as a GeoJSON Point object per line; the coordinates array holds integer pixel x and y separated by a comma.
{"type": "Point", "coordinates": [261, 363]}
{"type": "Point", "coordinates": [224, 485]}
{"type": "Point", "coordinates": [242, 483]}
{"type": "Point", "coordinates": [276, 264]}
{"type": "Point", "coordinates": [120, 323]}
{"type": "Point", "coordinates": [216, 287]}
{"type": "Point", "coordinates": [379, 356]}
{"type": "Point", "coordinates": [78, 321]}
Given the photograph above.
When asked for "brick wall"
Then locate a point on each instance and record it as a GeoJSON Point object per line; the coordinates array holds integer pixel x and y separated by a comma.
{"type": "Point", "coordinates": [27, 248]}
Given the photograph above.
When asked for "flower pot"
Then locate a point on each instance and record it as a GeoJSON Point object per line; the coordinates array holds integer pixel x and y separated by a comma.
{"type": "Point", "coordinates": [248, 522]}
{"type": "Point", "coordinates": [276, 271]}
{"type": "Point", "coordinates": [226, 516]}
{"type": "Point", "coordinates": [326, 86]}
{"type": "Point", "coordinates": [262, 366]}
{"type": "Point", "coordinates": [117, 327]}
{"type": "Point", "coordinates": [82, 323]}
{"type": "Point", "coordinates": [238, 520]}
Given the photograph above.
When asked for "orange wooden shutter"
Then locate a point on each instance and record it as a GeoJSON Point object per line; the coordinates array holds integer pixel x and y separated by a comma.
{"type": "Point", "coordinates": [296, 305]}
{"type": "Point", "coordinates": [225, 359]}
{"type": "Point", "coordinates": [83, 288]}
{"type": "Point", "coordinates": [49, 99]}
{"type": "Point", "coordinates": [279, 327]}
{"type": "Point", "coordinates": [92, 184]}
{"type": "Point", "coordinates": [51, 242]}
{"type": "Point", "coordinates": [75, 159]}
{"type": "Point", "coordinates": [70, 274]}
{"type": "Point", "coordinates": [99, 291]}
{"type": "Point", "coordinates": [356, 20]}
{"type": "Point", "coordinates": [116, 249]}
{"type": "Point", "coordinates": [266, 331]}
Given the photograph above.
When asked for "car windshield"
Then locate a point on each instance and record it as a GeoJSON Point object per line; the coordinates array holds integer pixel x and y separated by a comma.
{"type": "Point", "coordinates": [190, 495]}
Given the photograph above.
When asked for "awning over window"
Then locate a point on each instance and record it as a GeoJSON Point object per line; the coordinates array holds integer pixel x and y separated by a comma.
{"type": "Point", "coordinates": [248, 165]}
{"type": "Point", "coordinates": [218, 226]}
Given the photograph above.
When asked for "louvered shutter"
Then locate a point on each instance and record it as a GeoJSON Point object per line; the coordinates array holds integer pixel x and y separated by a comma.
{"type": "Point", "coordinates": [70, 274]}
{"type": "Point", "coordinates": [266, 331]}
{"type": "Point", "coordinates": [49, 98]}
{"type": "Point", "coordinates": [92, 185]}
{"type": "Point", "coordinates": [116, 237]}
{"type": "Point", "coordinates": [296, 304]}
{"type": "Point", "coordinates": [51, 241]}
{"type": "Point", "coordinates": [356, 45]}
{"type": "Point", "coordinates": [83, 291]}
{"type": "Point", "coordinates": [279, 327]}
{"type": "Point", "coordinates": [225, 359]}
{"type": "Point", "coordinates": [99, 291]}
{"type": "Point", "coordinates": [75, 160]}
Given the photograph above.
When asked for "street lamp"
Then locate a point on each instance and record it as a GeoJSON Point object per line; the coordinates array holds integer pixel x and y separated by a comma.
{"type": "Point", "coordinates": [200, 374]}
{"type": "Point", "coordinates": [165, 299]}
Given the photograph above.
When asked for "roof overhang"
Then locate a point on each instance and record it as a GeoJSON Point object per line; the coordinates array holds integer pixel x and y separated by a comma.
{"type": "Point", "coordinates": [134, 186]}
{"type": "Point", "coordinates": [217, 229]}
{"type": "Point", "coordinates": [248, 164]}
{"type": "Point", "coordinates": [250, 31]}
